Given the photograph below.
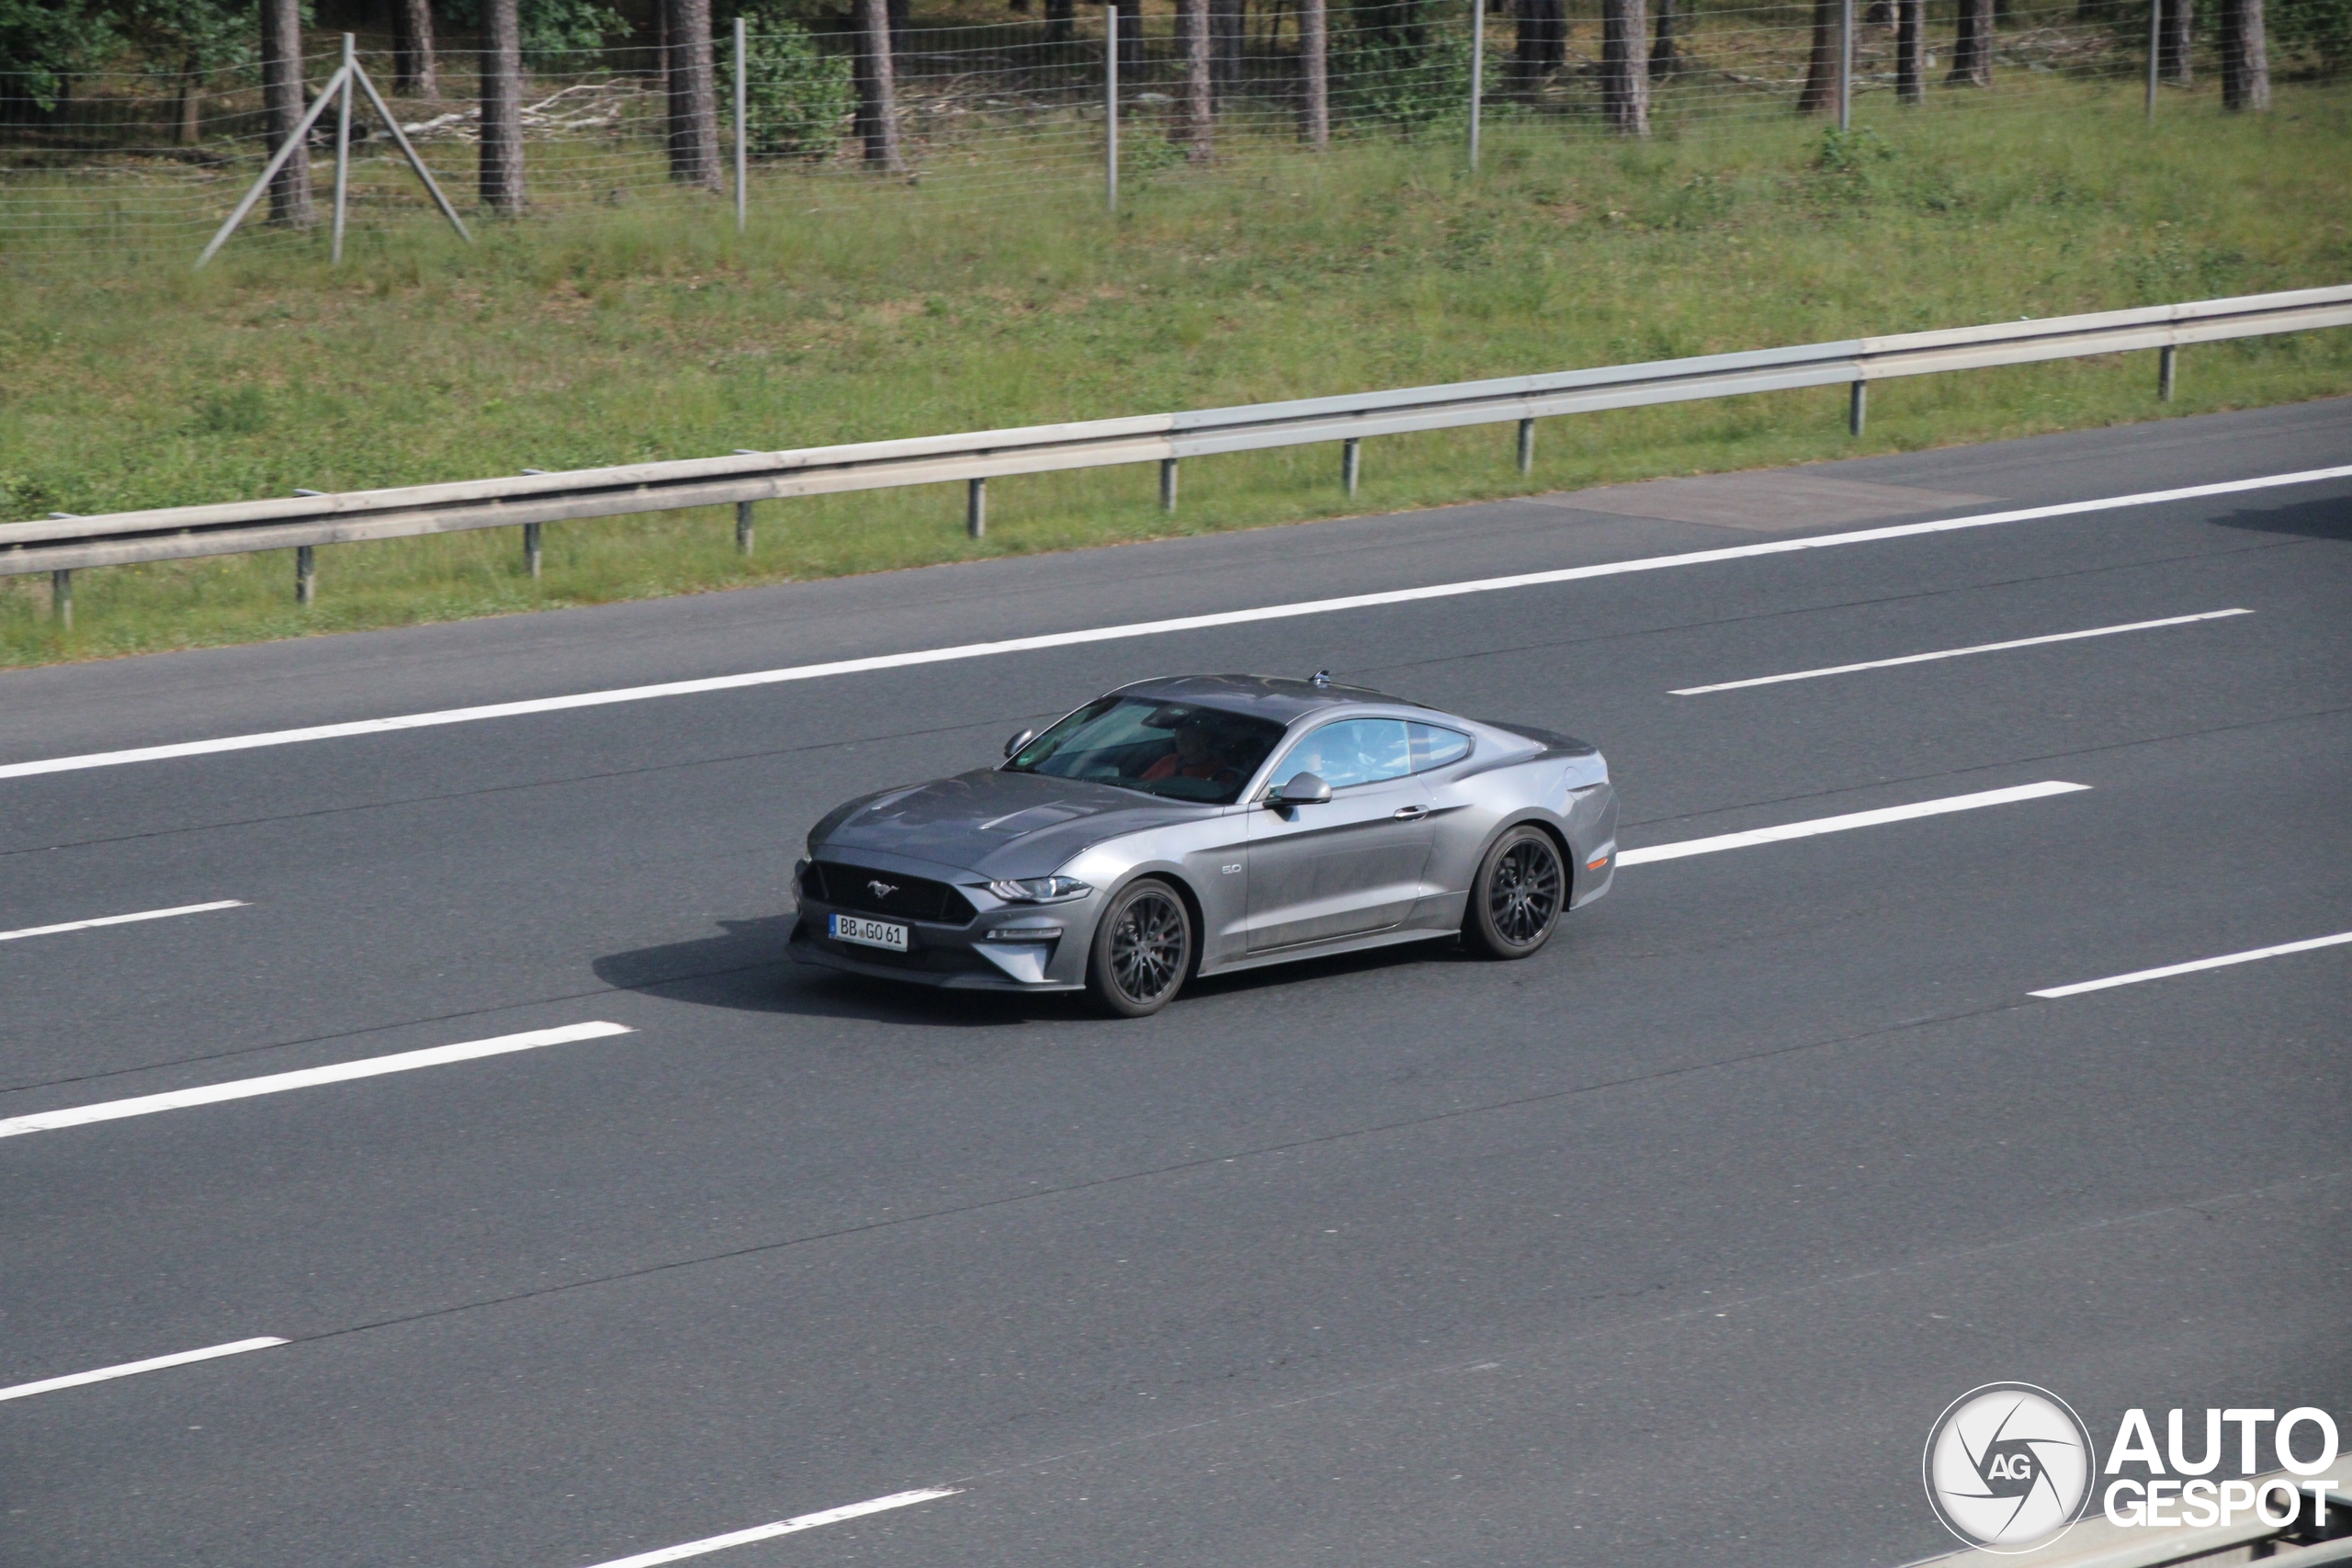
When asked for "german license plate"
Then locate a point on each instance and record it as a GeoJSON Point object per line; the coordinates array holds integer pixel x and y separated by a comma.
{"type": "Point", "coordinates": [864, 933]}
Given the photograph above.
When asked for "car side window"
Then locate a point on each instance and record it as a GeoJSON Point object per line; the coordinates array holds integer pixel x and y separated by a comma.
{"type": "Point", "coordinates": [1434, 748]}
{"type": "Point", "coordinates": [1353, 751]}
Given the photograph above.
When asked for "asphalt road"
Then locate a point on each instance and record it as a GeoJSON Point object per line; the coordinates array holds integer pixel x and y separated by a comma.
{"type": "Point", "coordinates": [1666, 1245]}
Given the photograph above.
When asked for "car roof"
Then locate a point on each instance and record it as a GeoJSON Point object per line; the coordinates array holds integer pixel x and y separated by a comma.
{"type": "Point", "coordinates": [1283, 699]}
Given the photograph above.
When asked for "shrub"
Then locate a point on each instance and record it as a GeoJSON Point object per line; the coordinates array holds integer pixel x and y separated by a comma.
{"type": "Point", "coordinates": [796, 95]}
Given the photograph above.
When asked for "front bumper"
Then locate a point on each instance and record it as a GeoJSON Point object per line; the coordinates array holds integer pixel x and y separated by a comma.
{"type": "Point", "coordinates": [1017, 947]}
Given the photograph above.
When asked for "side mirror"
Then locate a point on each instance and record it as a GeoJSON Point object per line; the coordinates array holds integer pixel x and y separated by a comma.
{"type": "Point", "coordinates": [1018, 741]}
{"type": "Point", "coordinates": [1304, 789]}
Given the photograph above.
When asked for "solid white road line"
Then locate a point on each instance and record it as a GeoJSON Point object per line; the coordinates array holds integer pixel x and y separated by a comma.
{"type": "Point", "coordinates": [100, 1374]}
{"type": "Point", "coordinates": [783, 1526]}
{"type": "Point", "coordinates": [1954, 653]}
{"type": "Point", "coordinates": [274, 1083]}
{"type": "Point", "coordinates": [2221, 963]}
{"type": "Point", "coordinates": [1839, 824]}
{"type": "Point", "coordinates": [123, 919]}
{"type": "Point", "coordinates": [1134, 630]}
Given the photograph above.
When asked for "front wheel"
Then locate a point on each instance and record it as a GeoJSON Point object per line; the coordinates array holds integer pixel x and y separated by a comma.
{"type": "Point", "coordinates": [1143, 950]}
{"type": "Point", "coordinates": [1516, 901]}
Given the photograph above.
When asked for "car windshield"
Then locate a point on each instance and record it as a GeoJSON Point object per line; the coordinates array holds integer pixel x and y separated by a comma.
{"type": "Point", "coordinates": [1180, 751]}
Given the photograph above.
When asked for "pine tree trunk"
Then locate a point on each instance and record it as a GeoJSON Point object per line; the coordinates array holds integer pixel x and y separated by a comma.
{"type": "Point", "coordinates": [1971, 46]}
{"type": "Point", "coordinates": [1226, 23]}
{"type": "Point", "coordinates": [2245, 57]}
{"type": "Point", "coordinates": [281, 91]}
{"type": "Point", "coordinates": [502, 107]}
{"type": "Point", "coordinates": [877, 95]}
{"type": "Point", "coordinates": [1061, 16]}
{"type": "Point", "coordinates": [1820, 93]}
{"type": "Point", "coordinates": [414, 72]}
{"type": "Point", "coordinates": [1314, 59]}
{"type": "Point", "coordinates": [1624, 66]}
{"type": "Point", "coordinates": [187, 114]}
{"type": "Point", "coordinates": [1131, 56]}
{"type": "Point", "coordinates": [693, 96]}
{"type": "Point", "coordinates": [1910, 51]}
{"type": "Point", "coordinates": [1664, 61]}
{"type": "Point", "coordinates": [1543, 46]}
{"type": "Point", "coordinates": [1199, 119]}
{"type": "Point", "coordinates": [2176, 41]}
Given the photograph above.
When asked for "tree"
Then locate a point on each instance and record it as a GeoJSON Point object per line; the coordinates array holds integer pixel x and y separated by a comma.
{"type": "Point", "coordinates": [42, 43]}
{"type": "Point", "coordinates": [1625, 69]}
{"type": "Point", "coordinates": [1227, 18]}
{"type": "Point", "coordinates": [2175, 38]}
{"type": "Point", "coordinates": [1820, 92]}
{"type": "Point", "coordinates": [1061, 16]}
{"type": "Point", "coordinates": [878, 97]}
{"type": "Point", "coordinates": [193, 36]}
{"type": "Point", "coordinates": [413, 68]}
{"type": "Point", "coordinates": [281, 92]}
{"type": "Point", "coordinates": [1315, 58]}
{"type": "Point", "coordinates": [1543, 43]}
{"type": "Point", "coordinates": [1197, 123]}
{"type": "Point", "coordinates": [500, 165]}
{"type": "Point", "coordinates": [1664, 61]}
{"type": "Point", "coordinates": [2245, 57]}
{"type": "Point", "coordinates": [693, 96]}
{"type": "Point", "coordinates": [1972, 45]}
{"type": "Point", "coordinates": [1130, 41]}
{"type": "Point", "coordinates": [1910, 51]}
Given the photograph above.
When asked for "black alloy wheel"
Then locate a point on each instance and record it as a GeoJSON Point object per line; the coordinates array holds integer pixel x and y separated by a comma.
{"type": "Point", "coordinates": [1515, 905]}
{"type": "Point", "coordinates": [1143, 950]}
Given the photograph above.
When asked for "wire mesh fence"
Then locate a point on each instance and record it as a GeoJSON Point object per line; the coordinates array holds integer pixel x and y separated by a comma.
{"type": "Point", "coordinates": [137, 165]}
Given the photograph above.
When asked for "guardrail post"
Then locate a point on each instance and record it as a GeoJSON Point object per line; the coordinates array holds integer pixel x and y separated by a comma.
{"type": "Point", "coordinates": [1350, 463]}
{"type": "Point", "coordinates": [1858, 407]}
{"type": "Point", "coordinates": [1526, 445]}
{"type": "Point", "coordinates": [60, 598]}
{"type": "Point", "coordinates": [531, 549]}
{"type": "Point", "coordinates": [2167, 358]}
{"type": "Point", "coordinates": [742, 527]}
{"type": "Point", "coordinates": [976, 508]}
{"type": "Point", "coordinates": [1168, 484]}
{"type": "Point", "coordinates": [306, 575]}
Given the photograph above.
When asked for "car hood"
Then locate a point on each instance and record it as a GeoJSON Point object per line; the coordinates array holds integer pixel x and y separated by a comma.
{"type": "Point", "coordinates": [994, 822]}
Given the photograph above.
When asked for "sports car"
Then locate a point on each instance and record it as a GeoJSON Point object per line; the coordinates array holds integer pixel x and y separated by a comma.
{"type": "Point", "coordinates": [1207, 824]}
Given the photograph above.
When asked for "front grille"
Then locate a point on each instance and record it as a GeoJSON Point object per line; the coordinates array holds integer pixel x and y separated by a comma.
{"type": "Point", "coordinates": [909, 897]}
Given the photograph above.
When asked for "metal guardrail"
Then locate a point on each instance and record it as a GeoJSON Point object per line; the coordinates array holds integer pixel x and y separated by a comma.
{"type": "Point", "coordinates": [61, 544]}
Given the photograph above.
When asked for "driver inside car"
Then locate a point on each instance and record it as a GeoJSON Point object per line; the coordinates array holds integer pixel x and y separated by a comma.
{"type": "Point", "coordinates": [1197, 756]}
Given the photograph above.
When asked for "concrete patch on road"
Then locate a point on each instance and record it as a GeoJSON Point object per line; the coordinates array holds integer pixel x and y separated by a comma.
{"type": "Point", "coordinates": [1765, 502]}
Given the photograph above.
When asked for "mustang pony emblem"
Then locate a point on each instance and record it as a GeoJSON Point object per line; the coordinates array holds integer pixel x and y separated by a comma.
{"type": "Point", "coordinates": [883, 889]}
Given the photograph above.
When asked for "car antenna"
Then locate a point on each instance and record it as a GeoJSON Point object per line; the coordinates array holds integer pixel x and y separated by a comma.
{"type": "Point", "coordinates": [1320, 678]}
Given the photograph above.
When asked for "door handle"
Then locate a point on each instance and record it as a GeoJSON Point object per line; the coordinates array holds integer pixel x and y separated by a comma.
{"type": "Point", "coordinates": [1410, 813]}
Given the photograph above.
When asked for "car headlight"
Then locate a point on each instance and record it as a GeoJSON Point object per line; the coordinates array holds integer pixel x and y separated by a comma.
{"type": "Point", "coordinates": [1041, 889]}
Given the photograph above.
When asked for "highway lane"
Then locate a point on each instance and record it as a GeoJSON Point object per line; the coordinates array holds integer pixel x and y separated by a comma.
{"type": "Point", "coordinates": [1762, 1016]}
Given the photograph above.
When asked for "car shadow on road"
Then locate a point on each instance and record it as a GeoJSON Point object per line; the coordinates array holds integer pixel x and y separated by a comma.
{"type": "Point", "coordinates": [2322, 519]}
{"type": "Point", "coordinates": [745, 969]}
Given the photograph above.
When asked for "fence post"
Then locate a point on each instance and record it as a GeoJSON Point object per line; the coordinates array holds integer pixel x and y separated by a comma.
{"type": "Point", "coordinates": [742, 527]}
{"type": "Point", "coordinates": [342, 149]}
{"type": "Point", "coordinates": [1845, 67]}
{"type": "Point", "coordinates": [1351, 459]}
{"type": "Point", "coordinates": [306, 575]}
{"type": "Point", "coordinates": [1168, 484]}
{"type": "Point", "coordinates": [976, 508]}
{"type": "Point", "coordinates": [742, 73]}
{"type": "Point", "coordinates": [1526, 445]}
{"type": "Point", "coordinates": [1858, 407]}
{"type": "Point", "coordinates": [60, 598]}
{"type": "Point", "coordinates": [2155, 51]}
{"type": "Point", "coordinates": [1111, 105]}
{"type": "Point", "coordinates": [2165, 360]}
{"type": "Point", "coordinates": [1477, 79]}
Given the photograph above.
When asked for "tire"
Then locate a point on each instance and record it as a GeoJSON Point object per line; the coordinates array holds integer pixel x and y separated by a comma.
{"type": "Point", "coordinates": [1515, 903]}
{"type": "Point", "coordinates": [1143, 950]}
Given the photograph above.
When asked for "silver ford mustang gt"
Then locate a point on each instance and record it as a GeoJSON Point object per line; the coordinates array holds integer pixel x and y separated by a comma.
{"type": "Point", "coordinates": [1205, 824]}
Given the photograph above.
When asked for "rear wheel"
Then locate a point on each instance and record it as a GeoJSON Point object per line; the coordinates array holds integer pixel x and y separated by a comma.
{"type": "Point", "coordinates": [1143, 950]}
{"type": "Point", "coordinates": [1515, 904]}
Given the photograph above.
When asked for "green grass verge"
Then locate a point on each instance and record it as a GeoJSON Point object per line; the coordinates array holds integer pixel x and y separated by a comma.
{"type": "Point", "coordinates": [654, 330]}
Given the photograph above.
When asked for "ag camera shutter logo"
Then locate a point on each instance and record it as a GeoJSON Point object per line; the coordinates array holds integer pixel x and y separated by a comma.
{"type": "Point", "coordinates": [2009, 1467]}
